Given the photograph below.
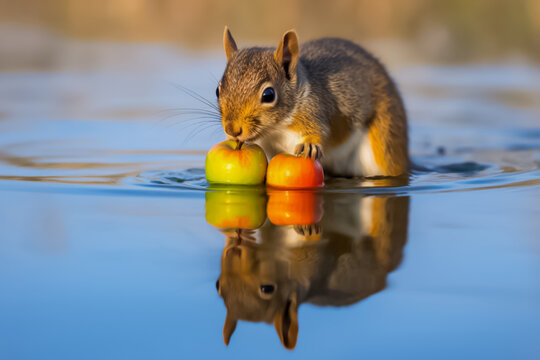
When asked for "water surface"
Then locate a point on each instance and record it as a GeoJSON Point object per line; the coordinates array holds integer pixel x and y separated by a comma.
{"type": "Point", "coordinates": [113, 246]}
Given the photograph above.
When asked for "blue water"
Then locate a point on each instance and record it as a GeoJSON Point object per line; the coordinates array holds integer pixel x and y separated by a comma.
{"type": "Point", "coordinates": [106, 252]}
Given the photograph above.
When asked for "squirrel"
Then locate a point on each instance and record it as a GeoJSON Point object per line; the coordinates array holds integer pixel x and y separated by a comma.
{"type": "Point", "coordinates": [328, 99]}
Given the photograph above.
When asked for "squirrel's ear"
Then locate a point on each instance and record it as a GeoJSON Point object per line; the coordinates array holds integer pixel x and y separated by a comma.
{"type": "Point", "coordinates": [286, 324]}
{"type": "Point", "coordinates": [228, 328]}
{"type": "Point", "coordinates": [286, 53]}
{"type": "Point", "coordinates": [228, 43]}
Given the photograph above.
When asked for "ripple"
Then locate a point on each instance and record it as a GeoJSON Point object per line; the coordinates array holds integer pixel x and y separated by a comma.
{"type": "Point", "coordinates": [191, 179]}
{"type": "Point", "coordinates": [452, 177]}
{"type": "Point", "coordinates": [150, 170]}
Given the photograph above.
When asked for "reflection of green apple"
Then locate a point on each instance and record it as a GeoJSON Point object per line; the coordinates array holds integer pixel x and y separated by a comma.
{"type": "Point", "coordinates": [237, 208]}
{"type": "Point", "coordinates": [227, 165]}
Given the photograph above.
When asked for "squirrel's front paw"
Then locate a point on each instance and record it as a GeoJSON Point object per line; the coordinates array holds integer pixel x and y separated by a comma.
{"type": "Point", "coordinates": [310, 232]}
{"type": "Point", "coordinates": [309, 150]}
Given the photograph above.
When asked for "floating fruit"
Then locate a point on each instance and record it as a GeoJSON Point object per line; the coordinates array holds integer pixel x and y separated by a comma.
{"type": "Point", "coordinates": [228, 164]}
{"type": "Point", "coordinates": [294, 172]}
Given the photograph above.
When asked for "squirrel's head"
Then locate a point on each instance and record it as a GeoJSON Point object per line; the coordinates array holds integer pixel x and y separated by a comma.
{"type": "Point", "coordinates": [257, 90]}
{"type": "Point", "coordinates": [255, 286]}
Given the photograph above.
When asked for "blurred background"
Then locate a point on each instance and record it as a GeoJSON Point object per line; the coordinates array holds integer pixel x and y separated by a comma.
{"type": "Point", "coordinates": [413, 30]}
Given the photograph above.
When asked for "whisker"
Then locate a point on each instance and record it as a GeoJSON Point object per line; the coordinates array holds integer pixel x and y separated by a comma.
{"type": "Point", "coordinates": [196, 96]}
{"type": "Point", "coordinates": [189, 131]}
{"type": "Point", "coordinates": [216, 131]}
{"type": "Point", "coordinates": [257, 130]}
{"type": "Point", "coordinates": [188, 125]}
{"type": "Point", "coordinates": [201, 119]}
{"type": "Point", "coordinates": [214, 77]}
{"type": "Point", "coordinates": [177, 112]}
{"type": "Point", "coordinates": [194, 116]}
{"type": "Point", "coordinates": [196, 132]}
{"type": "Point", "coordinates": [197, 110]}
{"type": "Point", "coordinates": [192, 121]}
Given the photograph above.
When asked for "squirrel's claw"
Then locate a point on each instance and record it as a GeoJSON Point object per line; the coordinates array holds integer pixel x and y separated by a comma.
{"type": "Point", "coordinates": [309, 150]}
{"type": "Point", "coordinates": [309, 231]}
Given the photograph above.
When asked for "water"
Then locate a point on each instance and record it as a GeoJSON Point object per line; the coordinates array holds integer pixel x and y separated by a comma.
{"type": "Point", "coordinates": [107, 250]}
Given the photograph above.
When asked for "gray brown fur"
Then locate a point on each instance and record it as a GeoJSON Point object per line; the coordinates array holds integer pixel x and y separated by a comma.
{"type": "Point", "coordinates": [333, 87]}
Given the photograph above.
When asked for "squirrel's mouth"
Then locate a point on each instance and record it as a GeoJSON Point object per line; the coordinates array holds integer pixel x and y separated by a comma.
{"type": "Point", "coordinates": [245, 139]}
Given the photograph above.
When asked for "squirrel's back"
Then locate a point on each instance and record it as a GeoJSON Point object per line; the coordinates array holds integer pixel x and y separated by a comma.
{"type": "Point", "coordinates": [368, 119]}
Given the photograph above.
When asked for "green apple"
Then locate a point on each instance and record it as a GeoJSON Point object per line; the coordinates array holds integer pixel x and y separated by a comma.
{"type": "Point", "coordinates": [236, 208]}
{"type": "Point", "coordinates": [225, 164]}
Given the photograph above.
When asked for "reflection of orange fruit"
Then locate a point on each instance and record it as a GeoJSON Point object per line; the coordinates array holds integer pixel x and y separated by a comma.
{"type": "Point", "coordinates": [294, 207]}
{"type": "Point", "coordinates": [293, 172]}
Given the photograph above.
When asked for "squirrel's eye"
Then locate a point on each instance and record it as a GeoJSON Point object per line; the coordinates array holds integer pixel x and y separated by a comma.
{"type": "Point", "coordinates": [269, 95]}
{"type": "Point", "coordinates": [267, 289]}
{"type": "Point", "coordinates": [217, 92]}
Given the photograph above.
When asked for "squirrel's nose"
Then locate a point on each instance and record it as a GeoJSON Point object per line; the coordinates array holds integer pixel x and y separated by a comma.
{"type": "Point", "coordinates": [230, 130]}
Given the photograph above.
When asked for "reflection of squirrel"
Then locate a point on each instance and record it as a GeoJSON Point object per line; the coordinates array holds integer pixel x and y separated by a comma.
{"type": "Point", "coordinates": [267, 273]}
{"type": "Point", "coordinates": [328, 96]}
